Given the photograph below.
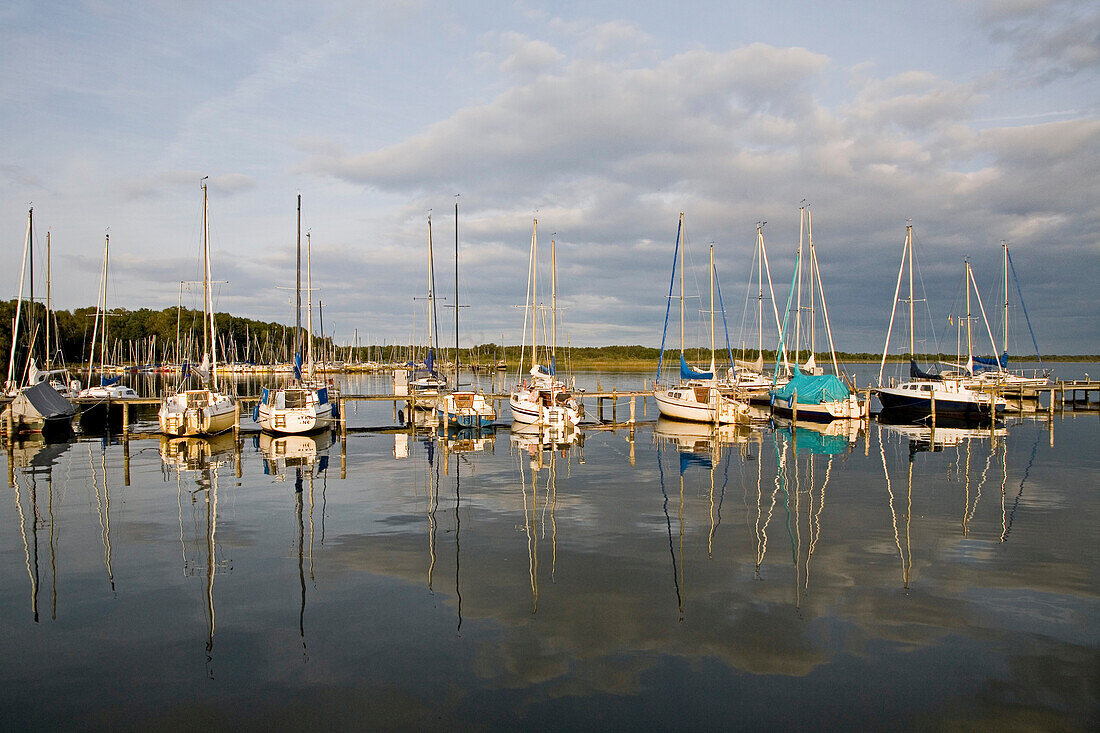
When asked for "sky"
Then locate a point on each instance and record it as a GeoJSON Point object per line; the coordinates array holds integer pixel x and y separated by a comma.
{"type": "Point", "coordinates": [976, 122]}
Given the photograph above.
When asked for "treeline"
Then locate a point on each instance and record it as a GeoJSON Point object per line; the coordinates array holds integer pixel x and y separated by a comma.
{"type": "Point", "coordinates": [142, 335]}
{"type": "Point", "coordinates": [150, 336]}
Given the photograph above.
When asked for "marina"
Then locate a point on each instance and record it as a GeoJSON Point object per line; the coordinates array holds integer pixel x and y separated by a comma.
{"type": "Point", "coordinates": [513, 577]}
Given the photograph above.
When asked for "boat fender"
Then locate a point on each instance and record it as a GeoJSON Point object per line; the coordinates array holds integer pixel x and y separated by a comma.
{"type": "Point", "coordinates": [790, 402]}
{"type": "Point", "coordinates": [256, 413]}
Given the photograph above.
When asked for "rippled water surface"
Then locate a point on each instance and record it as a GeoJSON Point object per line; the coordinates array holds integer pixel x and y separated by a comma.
{"type": "Point", "coordinates": [665, 577]}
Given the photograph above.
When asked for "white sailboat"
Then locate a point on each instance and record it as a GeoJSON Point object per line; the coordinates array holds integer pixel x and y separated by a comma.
{"type": "Point", "coordinates": [698, 397]}
{"type": "Point", "coordinates": [429, 382]}
{"type": "Point", "coordinates": [815, 395]}
{"type": "Point", "coordinates": [107, 389]}
{"type": "Point", "coordinates": [207, 410]}
{"type": "Point", "coordinates": [925, 393]}
{"type": "Point", "coordinates": [993, 373]}
{"type": "Point", "coordinates": [463, 408]}
{"type": "Point", "coordinates": [36, 406]}
{"type": "Point", "coordinates": [544, 399]}
{"type": "Point", "coordinates": [303, 405]}
{"type": "Point", "coordinates": [750, 378]}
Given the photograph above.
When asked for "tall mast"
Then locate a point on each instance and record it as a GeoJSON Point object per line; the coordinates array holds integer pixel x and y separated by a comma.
{"type": "Point", "coordinates": [309, 312]}
{"type": "Point", "coordinates": [432, 335]}
{"type": "Point", "coordinates": [712, 309]}
{"type": "Point", "coordinates": [98, 315]}
{"type": "Point", "coordinates": [19, 303]}
{"type": "Point", "coordinates": [103, 307]}
{"type": "Point", "coordinates": [969, 342]}
{"type": "Point", "coordinates": [48, 347]}
{"type": "Point", "coordinates": [1004, 319]}
{"type": "Point", "coordinates": [553, 302]}
{"type": "Point", "coordinates": [534, 292]}
{"type": "Point", "coordinates": [760, 285]}
{"type": "Point", "coordinates": [206, 335]}
{"type": "Point", "coordinates": [456, 293]}
{"type": "Point", "coordinates": [813, 274]}
{"type": "Point", "coordinates": [298, 285]}
{"type": "Point", "coordinates": [798, 300]}
{"type": "Point", "coordinates": [682, 238]}
{"type": "Point", "coordinates": [909, 251]}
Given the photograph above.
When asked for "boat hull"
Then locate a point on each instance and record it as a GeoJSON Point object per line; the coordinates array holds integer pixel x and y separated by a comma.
{"type": "Point", "coordinates": [700, 404]}
{"type": "Point", "coordinates": [197, 413]}
{"type": "Point", "coordinates": [849, 409]}
{"type": "Point", "coordinates": [962, 406]}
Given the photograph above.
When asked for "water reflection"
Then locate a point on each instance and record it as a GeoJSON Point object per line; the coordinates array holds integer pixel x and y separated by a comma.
{"type": "Point", "coordinates": [30, 463]}
{"type": "Point", "coordinates": [540, 448]}
{"type": "Point", "coordinates": [196, 462]}
{"type": "Point", "coordinates": [778, 558]}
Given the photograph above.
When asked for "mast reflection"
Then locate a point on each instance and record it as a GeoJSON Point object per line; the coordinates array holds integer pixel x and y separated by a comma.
{"type": "Point", "coordinates": [202, 457]}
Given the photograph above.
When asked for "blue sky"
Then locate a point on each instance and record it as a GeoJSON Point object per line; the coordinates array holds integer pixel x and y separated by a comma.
{"type": "Point", "coordinates": [977, 121]}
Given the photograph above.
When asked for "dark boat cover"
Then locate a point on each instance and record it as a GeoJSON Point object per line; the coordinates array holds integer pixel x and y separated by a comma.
{"type": "Point", "coordinates": [47, 402]}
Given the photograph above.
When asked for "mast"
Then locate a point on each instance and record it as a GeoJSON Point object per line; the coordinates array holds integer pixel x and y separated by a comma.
{"type": "Point", "coordinates": [19, 303]}
{"type": "Point", "coordinates": [298, 285]}
{"type": "Point", "coordinates": [760, 286]}
{"type": "Point", "coordinates": [534, 292]}
{"type": "Point", "coordinates": [432, 325]}
{"type": "Point", "coordinates": [1004, 319]}
{"type": "Point", "coordinates": [456, 291]}
{"type": "Point", "coordinates": [553, 304]}
{"type": "Point", "coordinates": [712, 310]}
{"type": "Point", "coordinates": [969, 342]}
{"type": "Point", "coordinates": [682, 238]}
{"type": "Point", "coordinates": [206, 335]}
{"type": "Point", "coordinates": [48, 347]}
{"type": "Point", "coordinates": [909, 252]}
{"type": "Point", "coordinates": [798, 297]}
{"type": "Point", "coordinates": [103, 305]}
{"type": "Point", "coordinates": [309, 312]}
{"type": "Point", "coordinates": [813, 273]}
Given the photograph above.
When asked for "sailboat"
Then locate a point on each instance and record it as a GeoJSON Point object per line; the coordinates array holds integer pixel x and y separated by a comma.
{"type": "Point", "coordinates": [37, 406]}
{"type": "Point", "coordinates": [463, 408]}
{"type": "Point", "coordinates": [429, 382]}
{"type": "Point", "coordinates": [926, 393]}
{"type": "Point", "coordinates": [545, 400]}
{"type": "Point", "coordinates": [994, 372]}
{"type": "Point", "coordinates": [750, 377]}
{"type": "Point", "coordinates": [204, 411]}
{"type": "Point", "coordinates": [818, 396]}
{"type": "Point", "coordinates": [108, 388]}
{"type": "Point", "coordinates": [698, 397]}
{"type": "Point", "coordinates": [303, 405]}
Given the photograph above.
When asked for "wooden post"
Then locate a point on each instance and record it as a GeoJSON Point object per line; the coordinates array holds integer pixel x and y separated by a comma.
{"type": "Point", "coordinates": [614, 406]}
{"type": "Point", "coordinates": [632, 408]}
{"type": "Point", "coordinates": [342, 405]}
{"type": "Point", "coordinates": [125, 417]}
{"type": "Point", "coordinates": [794, 408]}
{"type": "Point", "coordinates": [599, 408]}
{"type": "Point", "coordinates": [933, 408]}
{"type": "Point", "coordinates": [125, 456]}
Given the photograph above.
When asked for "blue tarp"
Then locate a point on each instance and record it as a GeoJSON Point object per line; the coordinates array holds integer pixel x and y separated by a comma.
{"type": "Point", "coordinates": [984, 363]}
{"type": "Point", "coordinates": [812, 390]}
{"type": "Point", "coordinates": [687, 372]}
{"type": "Point", "coordinates": [692, 459]}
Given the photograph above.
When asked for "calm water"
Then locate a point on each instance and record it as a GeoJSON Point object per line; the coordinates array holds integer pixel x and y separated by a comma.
{"type": "Point", "coordinates": [670, 579]}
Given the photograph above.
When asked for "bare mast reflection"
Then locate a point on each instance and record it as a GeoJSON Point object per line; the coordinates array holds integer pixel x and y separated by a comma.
{"type": "Point", "coordinates": [203, 457]}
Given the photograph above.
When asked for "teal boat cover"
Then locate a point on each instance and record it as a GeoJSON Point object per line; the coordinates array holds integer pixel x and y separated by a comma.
{"type": "Point", "coordinates": [812, 390]}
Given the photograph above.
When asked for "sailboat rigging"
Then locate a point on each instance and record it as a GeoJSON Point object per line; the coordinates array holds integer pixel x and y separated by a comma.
{"type": "Point", "coordinates": [303, 405]}
{"type": "Point", "coordinates": [204, 411]}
